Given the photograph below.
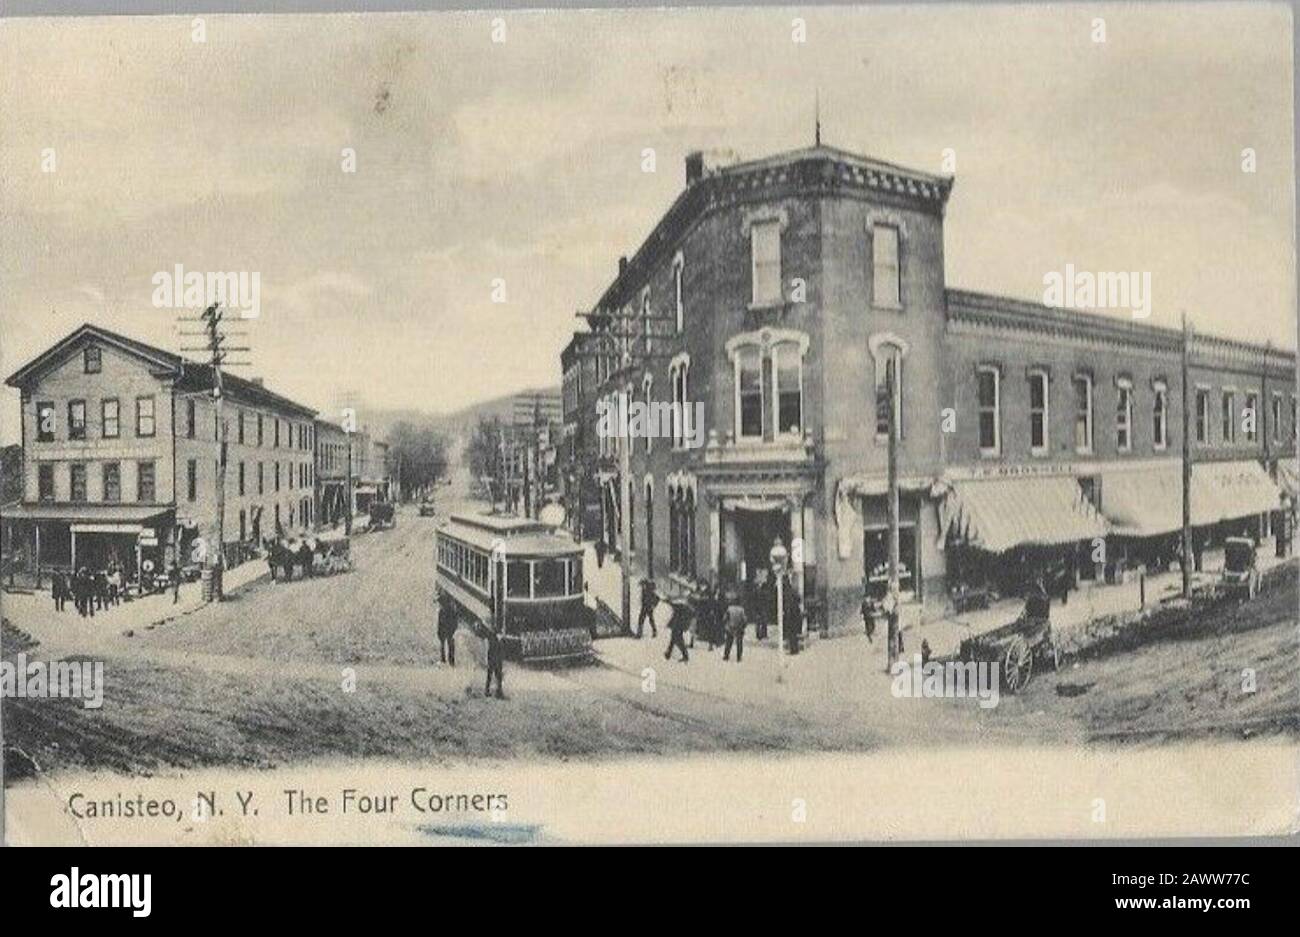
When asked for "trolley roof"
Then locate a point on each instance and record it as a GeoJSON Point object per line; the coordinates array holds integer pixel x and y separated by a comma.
{"type": "Point", "coordinates": [522, 536]}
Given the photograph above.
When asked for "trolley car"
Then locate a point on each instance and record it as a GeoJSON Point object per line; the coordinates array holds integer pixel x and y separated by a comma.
{"type": "Point", "coordinates": [519, 578]}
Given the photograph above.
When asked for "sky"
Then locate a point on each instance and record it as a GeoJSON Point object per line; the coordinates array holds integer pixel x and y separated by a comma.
{"type": "Point", "coordinates": [523, 161]}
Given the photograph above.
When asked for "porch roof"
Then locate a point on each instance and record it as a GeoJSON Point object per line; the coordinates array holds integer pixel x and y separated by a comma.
{"type": "Point", "coordinates": [1148, 503]}
{"type": "Point", "coordinates": [87, 513]}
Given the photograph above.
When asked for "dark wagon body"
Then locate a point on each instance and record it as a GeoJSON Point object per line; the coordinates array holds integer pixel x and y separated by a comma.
{"type": "Point", "coordinates": [1014, 648]}
{"type": "Point", "coordinates": [518, 577]}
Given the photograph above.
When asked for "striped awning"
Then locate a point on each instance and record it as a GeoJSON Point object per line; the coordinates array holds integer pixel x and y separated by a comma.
{"type": "Point", "coordinates": [998, 514]}
{"type": "Point", "coordinates": [1149, 502]}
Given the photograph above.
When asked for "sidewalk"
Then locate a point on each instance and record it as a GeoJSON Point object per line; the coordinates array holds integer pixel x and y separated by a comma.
{"type": "Point", "coordinates": [1091, 601]}
{"type": "Point", "coordinates": [35, 614]}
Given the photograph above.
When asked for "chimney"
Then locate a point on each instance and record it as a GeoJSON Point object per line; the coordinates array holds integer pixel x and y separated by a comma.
{"type": "Point", "coordinates": [694, 167]}
{"type": "Point", "coordinates": [622, 266]}
{"type": "Point", "coordinates": [260, 382]}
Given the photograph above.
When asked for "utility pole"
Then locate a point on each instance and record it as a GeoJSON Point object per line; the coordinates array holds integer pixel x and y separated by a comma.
{"type": "Point", "coordinates": [347, 516]}
{"type": "Point", "coordinates": [1187, 462]}
{"type": "Point", "coordinates": [624, 506]}
{"type": "Point", "coordinates": [217, 350]}
{"type": "Point", "coordinates": [621, 342]}
{"type": "Point", "coordinates": [892, 505]}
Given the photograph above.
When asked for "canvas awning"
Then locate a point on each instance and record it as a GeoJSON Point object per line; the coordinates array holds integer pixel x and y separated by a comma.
{"type": "Point", "coordinates": [998, 514]}
{"type": "Point", "coordinates": [1238, 489]}
{"type": "Point", "coordinates": [100, 513]}
{"type": "Point", "coordinates": [1288, 477]}
{"type": "Point", "coordinates": [1149, 502]}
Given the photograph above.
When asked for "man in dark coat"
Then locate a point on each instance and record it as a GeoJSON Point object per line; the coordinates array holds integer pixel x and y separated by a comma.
{"type": "Point", "coordinates": [59, 590]}
{"type": "Point", "coordinates": [495, 664]}
{"type": "Point", "coordinates": [791, 614]}
{"type": "Point", "coordinates": [677, 626]}
{"type": "Point", "coordinates": [649, 601]}
{"type": "Point", "coordinates": [868, 610]}
{"type": "Point", "coordinates": [446, 633]}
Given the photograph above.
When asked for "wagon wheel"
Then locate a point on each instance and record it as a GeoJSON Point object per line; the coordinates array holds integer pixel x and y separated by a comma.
{"type": "Point", "coordinates": [1017, 665]}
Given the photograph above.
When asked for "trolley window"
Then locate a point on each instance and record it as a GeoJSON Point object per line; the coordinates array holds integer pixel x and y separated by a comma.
{"type": "Point", "coordinates": [548, 578]}
{"type": "Point", "coordinates": [518, 579]}
{"type": "Point", "coordinates": [575, 576]}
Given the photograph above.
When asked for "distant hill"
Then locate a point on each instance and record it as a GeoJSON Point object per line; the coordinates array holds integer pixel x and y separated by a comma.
{"type": "Point", "coordinates": [458, 423]}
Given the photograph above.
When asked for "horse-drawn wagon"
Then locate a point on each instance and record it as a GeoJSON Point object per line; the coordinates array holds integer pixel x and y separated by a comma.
{"type": "Point", "coordinates": [1014, 648]}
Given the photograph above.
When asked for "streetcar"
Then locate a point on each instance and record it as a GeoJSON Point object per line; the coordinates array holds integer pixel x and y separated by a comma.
{"type": "Point", "coordinates": [519, 578]}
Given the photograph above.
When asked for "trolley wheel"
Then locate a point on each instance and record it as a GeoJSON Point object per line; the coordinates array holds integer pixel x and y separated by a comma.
{"type": "Point", "coordinates": [1017, 665]}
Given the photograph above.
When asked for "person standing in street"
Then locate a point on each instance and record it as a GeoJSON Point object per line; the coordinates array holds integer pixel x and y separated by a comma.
{"type": "Point", "coordinates": [495, 664]}
{"type": "Point", "coordinates": [174, 578]}
{"type": "Point", "coordinates": [59, 590]}
{"type": "Point", "coordinates": [735, 626]}
{"type": "Point", "coordinates": [649, 602]}
{"type": "Point", "coordinates": [677, 626]}
{"type": "Point", "coordinates": [446, 634]}
{"type": "Point", "coordinates": [868, 609]}
{"type": "Point", "coordinates": [600, 554]}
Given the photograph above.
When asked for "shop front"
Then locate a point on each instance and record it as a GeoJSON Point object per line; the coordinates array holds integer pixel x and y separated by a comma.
{"type": "Point", "coordinates": [67, 537]}
{"type": "Point", "coordinates": [1144, 506]}
{"type": "Point", "coordinates": [1002, 534]}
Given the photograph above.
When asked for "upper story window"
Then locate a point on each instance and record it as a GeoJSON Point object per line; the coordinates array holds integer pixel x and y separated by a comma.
{"type": "Point", "coordinates": [260, 428]}
{"type": "Point", "coordinates": [1229, 421]}
{"type": "Point", "coordinates": [92, 360]}
{"type": "Point", "coordinates": [239, 427]}
{"type": "Point", "coordinates": [191, 411]}
{"type": "Point", "coordinates": [1159, 415]}
{"type": "Point", "coordinates": [1293, 418]}
{"type": "Point", "coordinates": [111, 417]}
{"type": "Point", "coordinates": [646, 386]}
{"type": "Point", "coordinates": [45, 481]}
{"type": "Point", "coordinates": [46, 421]}
{"type": "Point", "coordinates": [989, 392]}
{"type": "Point", "coordinates": [145, 423]}
{"type": "Point", "coordinates": [1202, 415]}
{"type": "Point", "coordinates": [749, 393]}
{"type": "Point", "coordinates": [787, 368]}
{"type": "Point", "coordinates": [1083, 413]}
{"type": "Point", "coordinates": [679, 265]}
{"type": "Point", "coordinates": [677, 377]}
{"type": "Point", "coordinates": [765, 257]}
{"type": "Point", "coordinates": [1038, 413]}
{"type": "Point", "coordinates": [1275, 418]}
{"type": "Point", "coordinates": [1250, 417]}
{"type": "Point", "coordinates": [76, 419]}
{"type": "Point", "coordinates": [769, 383]}
{"type": "Point", "coordinates": [1124, 415]}
{"type": "Point", "coordinates": [647, 326]}
{"type": "Point", "coordinates": [145, 491]}
{"type": "Point", "coordinates": [885, 291]}
{"type": "Point", "coordinates": [112, 481]}
{"type": "Point", "coordinates": [77, 482]}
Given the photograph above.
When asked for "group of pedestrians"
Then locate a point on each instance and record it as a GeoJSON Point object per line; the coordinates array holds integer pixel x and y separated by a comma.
{"type": "Point", "coordinates": [88, 590]}
{"type": "Point", "coordinates": [721, 617]}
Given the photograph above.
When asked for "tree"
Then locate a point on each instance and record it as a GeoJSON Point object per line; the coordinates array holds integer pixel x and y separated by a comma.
{"type": "Point", "coordinates": [484, 454]}
{"type": "Point", "coordinates": [419, 451]}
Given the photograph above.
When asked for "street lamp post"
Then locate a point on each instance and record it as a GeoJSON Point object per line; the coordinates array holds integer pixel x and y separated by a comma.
{"type": "Point", "coordinates": [778, 558]}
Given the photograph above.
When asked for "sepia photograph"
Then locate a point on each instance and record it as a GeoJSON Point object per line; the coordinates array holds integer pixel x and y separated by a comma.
{"type": "Point", "coordinates": [738, 425]}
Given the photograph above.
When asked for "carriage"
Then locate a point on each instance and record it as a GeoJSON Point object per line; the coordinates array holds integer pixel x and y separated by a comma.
{"type": "Point", "coordinates": [382, 514]}
{"type": "Point", "coordinates": [1014, 648]}
{"type": "Point", "coordinates": [519, 578]}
